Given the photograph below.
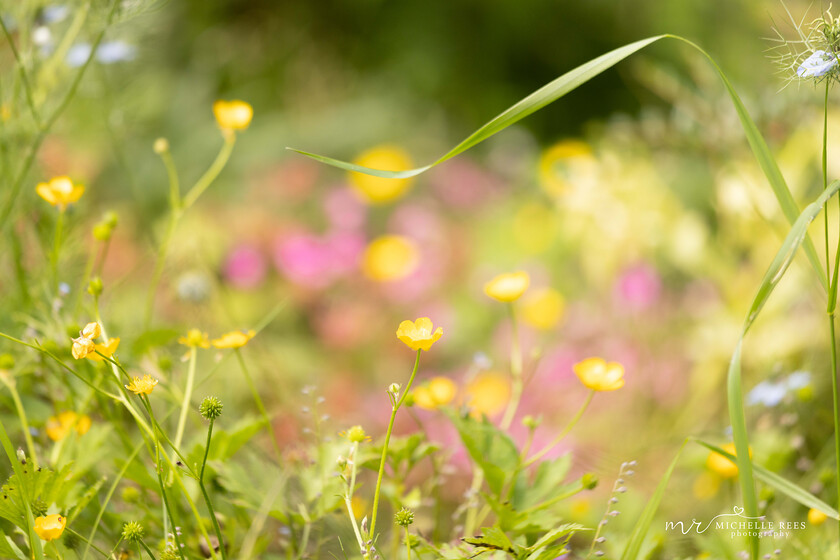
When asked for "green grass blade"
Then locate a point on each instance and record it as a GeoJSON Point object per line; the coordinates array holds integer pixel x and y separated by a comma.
{"type": "Point", "coordinates": [571, 80]}
{"type": "Point", "coordinates": [637, 537]}
{"type": "Point", "coordinates": [737, 417]}
{"type": "Point", "coordinates": [783, 485]}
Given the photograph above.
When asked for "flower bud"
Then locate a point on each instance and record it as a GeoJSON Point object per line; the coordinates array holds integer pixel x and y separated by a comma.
{"type": "Point", "coordinates": [161, 145]}
{"type": "Point", "coordinates": [210, 408]}
{"type": "Point", "coordinates": [356, 434]}
{"type": "Point", "coordinates": [589, 481]}
{"type": "Point", "coordinates": [132, 532]}
{"type": "Point", "coordinates": [394, 389]}
{"type": "Point", "coordinates": [404, 517]}
{"type": "Point", "coordinates": [531, 423]}
{"type": "Point", "coordinates": [95, 286]}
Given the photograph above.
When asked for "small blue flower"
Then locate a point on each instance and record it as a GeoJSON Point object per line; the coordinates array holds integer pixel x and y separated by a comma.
{"type": "Point", "coordinates": [767, 393]}
{"type": "Point", "coordinates": [818, 64]}
{"type": "Point", "coordinates": [798, 380]}
{"type": "Point", "coordinates": [108, 52]}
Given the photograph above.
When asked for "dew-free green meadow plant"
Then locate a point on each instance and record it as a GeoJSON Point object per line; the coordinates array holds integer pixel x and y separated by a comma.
{"type": "Point", "coordinates": [123, 469]}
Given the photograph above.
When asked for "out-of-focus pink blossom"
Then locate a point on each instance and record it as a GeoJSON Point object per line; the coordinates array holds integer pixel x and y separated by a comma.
{"type": "Point", "coordinates": [316, 261]}
{"type": "Point", "coordinates": [461, 183]}
{"type": "Point", "coordinates": [245, 267]}
{"type": "Point", "coordinates": [344, 210]}
{"type": "Point", "coordinates": [639, 287]}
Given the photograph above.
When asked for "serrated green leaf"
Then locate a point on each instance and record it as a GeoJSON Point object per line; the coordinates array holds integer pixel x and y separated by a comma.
{"type": "Point", "coordinates": [490, 448]}
{"type": "Point", "coordinates": [491, 538]}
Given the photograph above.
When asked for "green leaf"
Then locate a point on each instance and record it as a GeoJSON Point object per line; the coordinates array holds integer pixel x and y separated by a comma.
{"type": "Point", "coordinates": [490, 448]}
{"type": "Point", "coordinates": [34, 541]}
{"type": "Point", "coordinates": [492, 538]}
{"type": "Point", "coordinates": [574, 78]}
{"type": "Point", "coordinates": [774, 274]}
{"type": "Point", "coordinates": [781, 484]}
{"type": "Point", "coordinates": [8, 549]}
{"type": "Point", "coordinates": [547, 483]}
{"type": "Point", "coordinates": [637, 537]}
{"type": "Point", "coordinates": [561, 531]}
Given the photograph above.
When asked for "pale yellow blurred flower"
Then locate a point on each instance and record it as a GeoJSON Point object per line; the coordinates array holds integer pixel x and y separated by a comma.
{"type": "Point", "coordinates": [60, 192]}
{"type": "Point", "coordinates": [389, 258]}
{"type": "Point", "coordinates": [543, 309]}
{"type": "Point", "coordinates": [508, 287]}
{"type": "Point", "coordinates": [233, 115]}
{"type": "Point", "coordinates": [379, 190]}
{"type": "Point", "coordinates": [233, 339]}
{"type": "Point", "coordinates": [722, 465]}
{"type": "Point", "coordinates": [487, 394]}
{"type": "Point", "coordinates": [599, 375]}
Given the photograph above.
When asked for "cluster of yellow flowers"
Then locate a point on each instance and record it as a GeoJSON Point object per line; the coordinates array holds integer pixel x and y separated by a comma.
{"type": "Point", "coordinates": [195, 338]}
{"type": "Point", "coordinates": [58, 427]}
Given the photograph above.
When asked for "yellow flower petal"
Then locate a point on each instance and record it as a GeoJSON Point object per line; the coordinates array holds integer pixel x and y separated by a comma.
{"type": "Point", "coordinates": [598, 375]}
{"type": "Point", "coordinates": [543, 309]}
{"type": "Point", "coordinates": [418, 335]}
{"type": "Point", "coordinates": [233, 339]}
{"type": "Point", "coordinates": [82, 347]}
{"type": "Point", "coordinates": [60, 191]}
{"type": "Point", "coordinates": [487, 394]}
{"type": "Point", "coordinates": [379, 190]}
{"type": "Point", "coordinates": [91, 330]}
{"type": "Point", "coordinates": [144, 385]}
{"type": "Point", "coordinates": [389, 258]}
{"type": "Point", "coordinates": [195, 339]}
{"type": "Point", "coordinates": [508, 287]}
{"type": "Point", "coordinates": [233, 115]}
{"type": "Point", "coordinates": [107, 349]}
{"type": "Point", "coordinates": [816, 517]}
{"type": "Point", "coordinates": [50, 527]}
{"type": "Point", "coordinates": [722, 465]}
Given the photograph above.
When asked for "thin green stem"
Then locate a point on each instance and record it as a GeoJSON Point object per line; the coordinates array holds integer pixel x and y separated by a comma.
{"type": "Point", "coordinates": [185, 404]}
{"type": "Point", "coordinates": [89, 544]}
{"type": "Point", "coordinates": [59, 226]}
{"type": "Point", "coordinates": [348, 495]}
{"type": "Point", "coordinates": [515, 371]}
{"type": "Point", "coordinates": [30, 444]}
{"type": "Point", "coordinates": [216, 527]}
{"type": "Point", "coordinates": [836, 403]}
{"type": "Point", "coordinates": [258, 401]}
{"type": "Point", "coordinates": [146, 548]}
{"type": "Point", "coordinates": [407, 545]}
{"type": "Point", "coordinates": [539, 454]}
{"type": "Point", "coordinates": [394, 408]}
{"type": "Point", "coordinates": [212, 172]}
{"type": "Point", "coordinates": [159, 473]}
{"type": "Point", "coordinates": [24, 76]}
{"type": "Point", "coordinates": [163, 250]}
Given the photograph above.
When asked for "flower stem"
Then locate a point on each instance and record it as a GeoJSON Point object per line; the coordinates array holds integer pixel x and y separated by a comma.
{"type": "Point", "coordinates": [185, 404]}
{"type": "Point", "coordinates": [539, 454]}
{"type": "Point", "coordinates": [394, 408]}
{"type": "Point", "coordinates": [515, 371]}
{"type": "Point", "coordinates": [149, 552]}
{"type": "Point", "coordinates": [407, 545]}
{"type": "Point", "coordinates": [259, 402]}
{"type": "Point", "coordinates": [59, 225]}
{"type": "Point", "coordinates": [30, 444]}
{"type": "Point", "coordinates": [216, 527]}
{"type": "Point", "coordinates": [348, 495]}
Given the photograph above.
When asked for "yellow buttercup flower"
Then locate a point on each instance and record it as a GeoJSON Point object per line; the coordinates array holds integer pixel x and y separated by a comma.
{"type": "Point", "coordinates": [379, 190]}
{"type": "Point", "coordinates": [233, 115]}
{"type": "Point", "coordinates": [107, 349]}
{"type": "Point", "coordinates": [543, 309]}
{"type": "Point", "coordinates": [389, 258]}
{"type": "Point", "coordinates": [142, 386]}
{"type": "Point", "coordinates": [420, 334]}
{"type": "Point", "coordinates": [84, 345]}
{"type": "Point", "coordinates": [60, 192]}
{"type": "Point", "coordinates": [195, 339]}
{"type": "Point", "coordinates": [599, 375]}
{"type": "Point", "coordinates": [816, 517]}
{"type": "Point", "coordinates": [487, 394]}
{"type": "Point", "coordinates": [50, 527]}
{"type": "Point", "coordinates": [439, 391]}
{"type": "Point", "coordinates": [508, 287]}
{"type": "Point", "coordinates": [722, 465]}
{"type": "Point", "coordinates": [561, 162]}
{"type": "Point", "coordinates": [233, 339]}
{"type": "Point", "coordinates": [58, 427]}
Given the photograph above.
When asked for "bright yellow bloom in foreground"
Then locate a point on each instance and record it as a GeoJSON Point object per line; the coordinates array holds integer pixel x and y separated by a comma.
{"type": "Point", "coordinates": [439, 391]}
{"type": "Point", "coordinates": [58, 427]}
{"type": "Point", "coordinates": [816, 517]}
{"type": "Point", "coordinates": [389, 258]}
{"type": "Point", "coordinates": [195, 339]}
{"type": "Point", "coordinates": [233, 115]}
{"type": "Point", "coordinates": [508, 287]}
{"type": "Point", "coordinates": [543, 309]}
{"type": "Point", "coordinates": [599, 375]}
{"type": "Point", "coordinates": [722, 465]}
{"type": "Point", "coordinates": [105, 349]}
{"type": "Point", "coordinates": [420, 334]}
{"type": "Point", "coordinates": [233, 339]}
{"type": "Point", "coordinates": [60, 191]}
{"type": "Point", "coordinates": [50, 527]}
{"type": "Point", "coordinates": [142, 386]}
{"type": "Point", "coordinates": [84, 345]}
{"type": "Point", "coordinates": [487, 394]}
{"type": "Point", "coordinates": [379, 190]}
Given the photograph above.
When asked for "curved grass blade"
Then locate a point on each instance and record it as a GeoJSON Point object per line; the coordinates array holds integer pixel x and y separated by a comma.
{"type": "Point", "coordinates": [637, 537]}
{"type": "Point", "coordinates": [569, 81]}
{"type": "Point", "coordinates": [737, 417]}
{"type": "Point", "coordinates": [783, 485]}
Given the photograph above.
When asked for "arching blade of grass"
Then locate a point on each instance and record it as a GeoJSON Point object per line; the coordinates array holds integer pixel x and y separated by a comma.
{"type": "Point", "coordinates": [637, 537]}
{"type": "Point", "coordinates": [781, 484]}
{"type": "Point", "coordinates": [774, 274]}
{"type": "Point", "coordinates": [579, 76]}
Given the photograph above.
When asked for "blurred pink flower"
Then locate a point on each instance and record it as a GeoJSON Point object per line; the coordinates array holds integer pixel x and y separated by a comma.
{"type": "Point", "coordinates": [639, 287]}
{"type": "Point", "coordinates": [245, 267]}
{"type": "Point", "coordinates": [461, 183]}
{"type": "Point", "coordinates": [344, 210]}
{"type": "Point", "coordinates": [316, 261]}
